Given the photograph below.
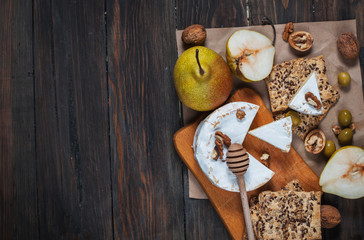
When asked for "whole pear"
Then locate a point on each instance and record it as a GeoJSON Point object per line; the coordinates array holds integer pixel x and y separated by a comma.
{"type": "Point", "coordinates": [202, 79]}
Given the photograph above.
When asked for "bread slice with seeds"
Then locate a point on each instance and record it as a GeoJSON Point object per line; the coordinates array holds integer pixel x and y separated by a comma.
{"type": "Point", "coordinates": [287, 214]}
{"type": "Point", "coordinates": [286, 79]}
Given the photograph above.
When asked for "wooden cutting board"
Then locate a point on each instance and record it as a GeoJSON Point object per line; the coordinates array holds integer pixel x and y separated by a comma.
{"type": "Point", "coordinates": [287, 166]}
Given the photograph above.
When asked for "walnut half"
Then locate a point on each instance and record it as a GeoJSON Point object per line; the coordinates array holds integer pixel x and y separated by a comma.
{"type": "Point", "coordinates": [301, 41]}
{"type": "Point", "coordinates": [240, 114]}
{"type": "Point", "coordinates": [313, 100]}
{"type": "Point", "coordinates": [287, 31]}
{"type": "Point", "coordinates": [315, 141]}
{"type": "Point", "coordinates": [220, 140]}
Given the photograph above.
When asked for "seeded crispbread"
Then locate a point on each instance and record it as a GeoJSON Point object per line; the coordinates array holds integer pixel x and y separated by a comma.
{"type": "Point", "coordinates": [309, 122]}
{"type": "Point", "coordinates": [293, 185]}
{"type": "Point", "coordinates": [285, 80]}
{"type": "Point", "coordinates": [287, 214]}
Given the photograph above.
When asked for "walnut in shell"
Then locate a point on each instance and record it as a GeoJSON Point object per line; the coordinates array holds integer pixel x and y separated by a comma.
{"type": "Point", "coordinates": [348, 45]}
{"type": "Point", "coordinates": [330, 216]}
{"type": "Point", "coordinates": [194, 35]}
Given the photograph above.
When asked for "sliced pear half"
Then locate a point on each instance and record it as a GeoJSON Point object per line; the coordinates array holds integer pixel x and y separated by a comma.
{"type": "Point", "coordinates": [343, 175]}
{"type": "Point", "coordinates": [250, 55]}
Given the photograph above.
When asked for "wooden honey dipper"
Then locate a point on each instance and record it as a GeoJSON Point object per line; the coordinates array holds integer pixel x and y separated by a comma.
{"type": "Point", "coordinates": [237, 160]}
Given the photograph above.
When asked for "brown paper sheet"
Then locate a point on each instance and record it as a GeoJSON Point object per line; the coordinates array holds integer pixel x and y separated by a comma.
{"type": "Point", "coordinates": [325, 35]}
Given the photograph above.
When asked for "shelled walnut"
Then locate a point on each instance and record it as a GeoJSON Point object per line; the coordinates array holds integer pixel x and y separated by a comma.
{"type": "Point", "coordinates": [220, 140]}
{"type": "Point", "coordinates": [287, 31]}
{"type": "Point", "coordinates": [336, 129]}
{"type": "Point", "coordinates": [240, 114]}
{"type": "Point", "coordinates": [352, 127]}
{"type": "Point", "coordinates": [313, 100]}
{"type": "Point", "coordinates": [264, 159]}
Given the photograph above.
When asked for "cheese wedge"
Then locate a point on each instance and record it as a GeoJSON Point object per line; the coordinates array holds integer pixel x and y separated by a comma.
{"type": "Point", "coordinates": [299, 102]}
{"type": "Point", "coordinates": [225, 120]}
{"type": "Point", "coordinates": [277, 133]}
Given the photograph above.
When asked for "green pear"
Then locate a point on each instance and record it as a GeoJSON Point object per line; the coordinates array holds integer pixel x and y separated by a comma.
{"type": "Point", "coordinates": [202, 79]}
{"type": "Point", "coordinates": [250, 55]}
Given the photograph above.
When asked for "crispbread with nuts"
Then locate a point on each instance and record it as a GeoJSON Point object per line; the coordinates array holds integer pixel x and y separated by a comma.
{"type": "Point", "coordinates": [285, 80]}
{"type": "Point", "coordinates": [287, 214]}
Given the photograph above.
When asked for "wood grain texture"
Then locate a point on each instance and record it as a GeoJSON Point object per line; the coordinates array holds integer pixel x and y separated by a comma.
{"type": "Point", "coordinates": [144, 114]}
{"type": "Point", "coordinates": [74, 188]}
{"type": "Point", "coordinates": [287, 166]}
{"type": "Point", "coordinates": [88, 110]}
{"type": "Point", "coordinates": [342, 10]}
{"type": "Point", "coordinates": [352, 222]}
{"type": "Point", "coordinates": [318, 10]}
{"type": "Point", "coordinates": [209, 13]}
{"type": "Point", "coordinates": [280, 11]}
{"type": "Point", "coordinates": [18, 188]}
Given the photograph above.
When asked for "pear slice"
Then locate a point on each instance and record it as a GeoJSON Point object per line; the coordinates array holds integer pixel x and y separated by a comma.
{"type": "Point", "coordinates": [299, 102]}
{"type": "Point", "coordinates": [277, 133]}
{"type": "Point", "coordinates": [250, 55]}
{"type": "Point", "coordinates": [343, 175]}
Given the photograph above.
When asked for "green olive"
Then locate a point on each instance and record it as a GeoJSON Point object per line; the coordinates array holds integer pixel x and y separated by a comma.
{"type": "Point", "coordinates": [345, 136]}
{"type": "Point", "coordinates": [344, 79]}
{"type": "Point", "coordinates": [345, 117]}
{"type": "Point", "coordinates": [329, 149]}
{"type": "Point", "coordinates": [295, 118]}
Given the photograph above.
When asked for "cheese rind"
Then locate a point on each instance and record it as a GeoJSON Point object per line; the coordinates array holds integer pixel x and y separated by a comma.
{"type": "Point", "coordinates": [225, 120]}
{"type": "Point", "coordinates": [299, 102]}
{"type": "Point", "coordinates": [277, 133]}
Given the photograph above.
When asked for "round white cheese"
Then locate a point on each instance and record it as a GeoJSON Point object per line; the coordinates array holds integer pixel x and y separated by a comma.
{"type": "Point", "coordinates": [224, 119]}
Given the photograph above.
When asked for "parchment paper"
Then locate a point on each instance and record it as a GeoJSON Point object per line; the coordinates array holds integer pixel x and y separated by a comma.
{"type": "Point", "coordinates": [325, 35]}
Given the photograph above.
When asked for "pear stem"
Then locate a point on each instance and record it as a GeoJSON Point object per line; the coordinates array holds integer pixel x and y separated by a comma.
{"type": "Point", "coordinates": [198, 62]}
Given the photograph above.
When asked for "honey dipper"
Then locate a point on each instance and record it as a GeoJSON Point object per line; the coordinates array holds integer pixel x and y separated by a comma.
{"type": "Point", "coordinates": [237, 160]}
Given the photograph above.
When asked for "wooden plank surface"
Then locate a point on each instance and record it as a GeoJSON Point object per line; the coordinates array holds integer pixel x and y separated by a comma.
{"type": "Point", "coordinates": [209, 13]}
{"type": "Point", "coordinates": [352, 226]}
{"type": "Point", "coordinates": [297, 11]}
{"type": "Point", "coordinates": [144, 113]}
{"type": "Point", "coordinates": [74, 189]}
{"type": "Point", "coordinates": [18, 188]}
{"type": "Point", "coordinates": [279, 11]}
{"type": "Point", "coordinates": [88, 110]}
{"type": "Point", "coordinates": [286, 166]}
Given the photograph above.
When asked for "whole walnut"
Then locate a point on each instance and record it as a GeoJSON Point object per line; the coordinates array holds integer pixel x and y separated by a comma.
{"type": "Point", "coordinates": [348, 45]}
{"type": "Point", "coordinates": [194, 35]}
{"type": "Point", "coordinates": [330, 216]}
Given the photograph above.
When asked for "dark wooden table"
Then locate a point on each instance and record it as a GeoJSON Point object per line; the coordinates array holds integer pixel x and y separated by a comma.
{"type": "Point", "coordinates": [88, 110]}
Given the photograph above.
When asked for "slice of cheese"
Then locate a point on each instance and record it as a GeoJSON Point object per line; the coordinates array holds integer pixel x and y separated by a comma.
{"type": "Point", "coordinates": [225, 120]}
{"type": "Point", "coordinates": [277, 133]}
{"type": "Point", "coordinates": [299, 102]}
